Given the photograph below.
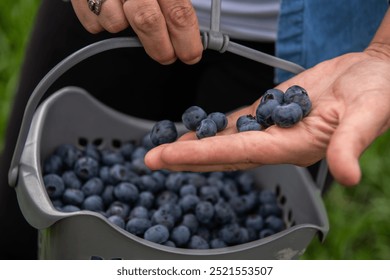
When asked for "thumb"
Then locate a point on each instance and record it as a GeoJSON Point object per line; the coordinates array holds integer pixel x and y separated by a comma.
{"type": "Point", "coordinates": [356, 131]}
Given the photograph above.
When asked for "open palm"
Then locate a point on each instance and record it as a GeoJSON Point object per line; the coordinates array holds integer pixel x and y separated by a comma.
{"type": "Point", "coordinates": [351, 107]}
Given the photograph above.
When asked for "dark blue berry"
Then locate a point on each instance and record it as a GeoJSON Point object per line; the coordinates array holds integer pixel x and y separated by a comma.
{"type": "Point", "coordinates": [146, 199]}
{"type": "Point", "coordinates": [187, 189]}
{"type": "Point", "coordinates": [188, 202]}
{"type": "Point", "coordinates": [157, 233]}
{"type": "Point", "coordinates": [86, 168]}
{"type": "Point", "coordinates": [220, 120]}
{"type": "Point", "coordinates": [138, 226]}
{"type": "Point", "coordinates": [92, 151]}
{"type": "Point", "coordinates": [287, 115]}
{"type": "Point", "coordinates": [247, 123]}
{"type": "Point", "coordinates": [266, 232]}
{"type": "Point", "coordinates": [273, 93]}
{"type": "Point", "coordinates": [93, 186]}
{"type": "Point", "coordinates": [70, 208]}
{"type": "Point", "coordinates": [69, 153]}
{"type": "Point", "coordinates": [126, 192]}
{"type": "Point", "coordinates": [118, 208]}
{"type": "Point", "coordinates": [70, 180]}
{"type": "Point", "coordinates": [53, 164]}
{"type": "Point", "coordinates": [206, 128]}
{"type": "Point", "coordinates": [180, 235]}
{"type": "Point", "coordinates": [111, 157]}
{"type": "Point", "coordinates": [217, 243]}
{"type": "Point", "coordinates": [54, 185]}
{"type": "Point", "coordinates": [267, 196]}
{"type": "Point", "coordinates": [93, 203]}
{"type": "Point", "coordinates": [139, 212]}
{"type": "Point", "coordinates": [192, 117]}
{"type": "Point", "coordinates": [164, 131]}
{"type": "Point", "coordinates": [204, 211]}
{"type": "Point", "coordinates": [264, 112]}
{"type": "Point", "coordinates": [275, 223]}
{"type": "Point", "coordinates": [254, 221]}
{"type": "Point", "coordinates": [190, 221]}
{"type": "Point", "coordinates": [117, 220]}
{"type": "Point", "coordinates": [297, 94]}
{"type": "Point", "coordinates": [127, 149]}
{"type": "Point", "coordinates": [197, 242]}
{"type": "Point", "coordinates": [73, 197]}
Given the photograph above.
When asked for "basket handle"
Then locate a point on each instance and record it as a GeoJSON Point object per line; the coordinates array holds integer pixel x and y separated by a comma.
{"type": "Point", "coordinates": [212, 39]}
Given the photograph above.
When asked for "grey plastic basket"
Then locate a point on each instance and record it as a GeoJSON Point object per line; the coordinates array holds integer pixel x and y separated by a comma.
{"type": "Point", "coordinates": [84, 234]}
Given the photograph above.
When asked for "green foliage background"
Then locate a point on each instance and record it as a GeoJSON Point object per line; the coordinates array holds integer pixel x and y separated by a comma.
{"type": "Point", "coordinates": [359, 217]}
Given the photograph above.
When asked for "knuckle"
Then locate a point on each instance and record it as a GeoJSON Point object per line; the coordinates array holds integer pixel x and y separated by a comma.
{"type": "Point", "coordinates": [115, 26]}
{"type": "Point", "coordinates": [93, 28]}
{"type": "Point", "coordinates": [147, 19]}
{"type": "Point", "coordinates": [182, 15]}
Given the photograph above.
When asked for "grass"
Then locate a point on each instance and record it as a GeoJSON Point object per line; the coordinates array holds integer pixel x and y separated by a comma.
{"type": "Point", "coordinates": [358, 217]}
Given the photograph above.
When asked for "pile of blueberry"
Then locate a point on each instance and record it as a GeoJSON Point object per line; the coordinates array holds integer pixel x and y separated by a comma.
{"type": "Point", "coordinates": [284, 109]}
{"type": "Point", "coordinates": [278, 108]}
{"type": "Point", "coordinates": [179, 209]}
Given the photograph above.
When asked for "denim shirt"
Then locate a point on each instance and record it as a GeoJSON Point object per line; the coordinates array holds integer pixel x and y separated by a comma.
{"type": "Point", "coordinates": [311, 31]}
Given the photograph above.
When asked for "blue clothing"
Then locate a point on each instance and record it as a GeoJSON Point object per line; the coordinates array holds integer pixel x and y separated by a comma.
{"type": "Point", "coordinates": [311, 31]}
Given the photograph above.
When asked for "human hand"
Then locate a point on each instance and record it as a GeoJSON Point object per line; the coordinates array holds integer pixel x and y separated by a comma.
{"type": "Point", "coordinates": [167, 29]}
{"type": "Point", "coordinates": [350, 109]}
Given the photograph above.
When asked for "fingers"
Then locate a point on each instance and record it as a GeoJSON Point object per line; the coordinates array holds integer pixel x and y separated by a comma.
{"type": "Point", "coordinates": [111, 17]}
{"type": "Point", "coordinates": [236, 151]}
{"type": "Point", "coordinates": [168, 29]}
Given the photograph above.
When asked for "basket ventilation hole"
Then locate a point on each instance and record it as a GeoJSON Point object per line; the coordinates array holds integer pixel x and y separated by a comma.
{"type": "Point", "coordinates": [116, 143]}
{"type": "Point", "coordinates": [289, 216]}
{"type": "Point", "coordinates": [97, 142]}
{"type": "Point", "coordinates": [277, 190]}
{"type": "Point", "coordinates": [282, 199]}
{"type": "Point", "coordinates": [83, 141]}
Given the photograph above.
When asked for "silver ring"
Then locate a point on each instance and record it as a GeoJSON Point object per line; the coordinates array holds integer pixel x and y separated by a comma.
{"type": "Point", "coordinates": [95, 6]}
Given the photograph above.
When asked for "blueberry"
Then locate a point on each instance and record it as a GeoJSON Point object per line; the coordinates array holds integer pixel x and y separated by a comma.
{"type": "Point", "coordinates": [139, 167]}
{"type": "Point", "coordinates": [164, 131]}
{"type": "Point", "coordinates": [93, 203]}
{"type": "Point", "coordinates": [69, 154]}
{"type": "Point", "coordinates": [108, 194]}
{"type": "Point", "coordinates": [70, 208]}
{"type": "Point", "coordinates": [126, 192]}
{"type": "Point", "coordinates": [138, 226]}
{"type": "Point", "coordinates": [70, 180]}
{"type": "Point", "coordinates": [287, 115]}
{"type": "Point", "coordinates": [127, 149]}
{"type": "Point", "coordinates": [217, 243]}
{"type": "Point", "coordinates": [209, 193]}
{"type": "Point", "coordinates": [166, 197]}
{"type": "Point", "coordinates": [92, 151]}
{"type": "Point", "coordinates": [247, 123]}
{"type": "Point", "coordinates": [254, 221]}
{"type": "Point", "coordinates": [220, 120]}
{"type": "Point", "coordinates": [180, 235]}
{"type": "Point", "coordinates": [188, 202]}
{"type": "Point", "coordinates": [224, 213]}
{"type": "Point", "coordinates": [117, 220]}
{"type": "Point", "coordinates": [139, 212]}
{"type": "Point", "coordinates": [197, 242]}
{"type": "Point", "coordinates": [187, 189]}
{"type": "Point", "coordinates": [118, 173]}
{"type": "Point", "coordinates": [265, 233]}
{"type": "Point", "coordinates": [267, 196]}
{"type": "Point", "coordinates": [139, 153]}
{"type": "Point", "coordinates": [243, 203]}
{"type": "Point", "coordinates": [268, 209]}
{"type": "Point", "coordinates": [160, 216]}
{"type": "Point", "coordinates": [93, 186]}
{"type": "Point", "coordinates": [118, 208]}
{"type": "Point", "coordinates": [246, 182]}
{"type": "Point", "coordinates": [264, 112]}
{"type": "Point", "coordinates": [146, 199]}
{"type": "Point", "coordinates": [206, 128]}
{"type": "Point", "coordinates": [157, 233]}
{"type": "Point", "coordinates": [73, 197]}
{"type": "Point", "coordinates": [54, 185]}
{"type": "Point", "coordinates": [111, 157]}
{"type": "Point", "coordinates": [105, 175]}
{"type": "Point", "coordinates": [146, 142]}
{"type": "Point", "coordinates": [86, 168]}
{"type": "Point", "coordinates": [298, 94]}
{"type": "Point", "coordinates": [230, 234]}
{"type": "Point", "coordinates": [196, 179]}
{"type": "Point", "coordinates": [53, 164]}
{"type": "Point", "coordinates": [192, 117]}
{"type": "Point", "coordinates": [204, 211]}
{"type": "Point", "coordinates": [170, 243]}
{"type": "Point", "coordinates": [174, 181]}
{"type": "Point", "coordinates": [273, 93]}
{"type": "Point", "coordinates": [229, 189]}
{"type": "Point", "coordinates": [275, 223]}
{"type": "Point", "coordinates": [189, 220]}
